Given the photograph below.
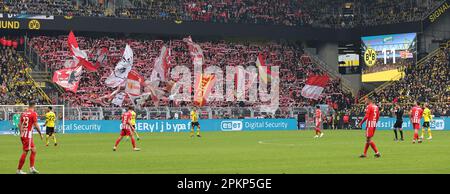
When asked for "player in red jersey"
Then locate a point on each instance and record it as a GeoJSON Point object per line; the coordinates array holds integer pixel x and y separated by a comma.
{"type": "Point", "coordinates": [415, 115]}
{"type": "Point", "coordinates": [28, 120]}
{"type": "Point", "coordinates": [318, 122]}
{"type": "Point", "coordinates": [127, 129]}
{"type": "Point", "coordinates": [372, 116]}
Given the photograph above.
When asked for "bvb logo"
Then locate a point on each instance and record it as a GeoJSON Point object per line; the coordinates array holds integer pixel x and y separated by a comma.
{"type": "Point", "coordinates": [370, 57]}
{"type": "Point", "coordinates": [34, 25]}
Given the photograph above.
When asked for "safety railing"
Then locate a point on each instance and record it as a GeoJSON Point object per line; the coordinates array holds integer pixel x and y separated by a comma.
{"type": "Point", "coordinates": [147, 113]}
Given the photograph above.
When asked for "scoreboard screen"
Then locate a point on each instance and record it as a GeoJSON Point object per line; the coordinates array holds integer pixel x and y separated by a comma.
{"type": "Point", "coordinates": [385, 57]}
{"type": "Point", "coordinates": [348, 58]}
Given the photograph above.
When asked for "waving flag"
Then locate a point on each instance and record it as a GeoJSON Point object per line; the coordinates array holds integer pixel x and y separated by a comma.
{"type": "Point", "coordinates": [123, 67]}
{"type": "Point", "coordinates": [80, 56]}
{"type": "Point", "coordinates": [134, 83]}
{"type": "Point", "coordinates": [119, 98]}
{"type": "Point", "coordinates": [204, 85]}
{"type": "Point", "coordinates": [68, 78]}
{"type": "Point", "coordinates": [162, 65]}
{"type": "Point", "coordinates": [100, 57]}
{"type": "Point", "coordinates": [140, 100]}
{"type": "Point", "coordinates": [265, 74]}
{"type": "Point", "coordinates": [195, 51]}
{"type": "Point", "coordinates": [71, 63]}
{"type": "Point", "coordinates": [314, 86]}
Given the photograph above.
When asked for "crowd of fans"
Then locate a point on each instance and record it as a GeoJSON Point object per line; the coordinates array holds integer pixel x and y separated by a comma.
{"type": "Point", "coordinates": [288, 56]}
{"type": "Point", "coordinates": [426, 82]}
{"type": "Point", "coordinates": [322, 13]}
{"type": "Point", "coordinates": [16, 85]}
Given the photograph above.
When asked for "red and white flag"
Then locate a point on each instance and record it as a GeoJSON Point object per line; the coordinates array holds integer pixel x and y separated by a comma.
{"type": "Point", "coordinates": [134, 83]}
{"type": "Point", "coordinates": [78, 54]}
{"type": "Point", "coordinates": [162, 65]}
{"type": "Point", "coordinates": [100, 57]}
{"type": "Point", "coordinates": [265, 74]}
{"type": "Point", "coordinates": [204, 85]}
{"type": "Point", "coordinates": [68, 78]}
{"type": "Point", "coordinates": [195, 51]}
{"type": "Point", "coordinates": [314, 86]}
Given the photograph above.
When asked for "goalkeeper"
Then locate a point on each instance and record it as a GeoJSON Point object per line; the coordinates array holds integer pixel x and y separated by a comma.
{"type": "Point", "coordinates": [15, 122]}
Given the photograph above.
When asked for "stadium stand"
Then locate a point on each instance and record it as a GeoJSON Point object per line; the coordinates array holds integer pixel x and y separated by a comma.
{"type": "Point", "coordinates": [295, 64]}
{"type": "Point", "coordinates": [17, 85]}
{"type": "Point", "coordinates": [335, 13]}
{"type": "Point", "coordinates": [53, 53]}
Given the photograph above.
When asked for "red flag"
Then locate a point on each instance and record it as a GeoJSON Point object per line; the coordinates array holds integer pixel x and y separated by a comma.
{"type": "Point", "coordinates": [204, 86]}
{"type": "Point", "coordinates": [72, 43]}
{"type": "Point", "coordinates": [68, 78]}
{"type": "Point", "coordinates": [314, 86]}
{"type": "Point", "coordinates": [76, 52]}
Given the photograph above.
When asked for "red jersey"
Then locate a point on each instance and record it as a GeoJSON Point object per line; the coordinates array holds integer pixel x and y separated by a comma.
{"type": "Point", "coordinates": [28, 119]}
{"type": "Point", "coordinates": [416, 114]}
{"type": "Point", "coordinates": [346, 118]}
{"type": "Point", "coordinates": [318, 116]}
{"type": "Point", "coordinates": [372, 116]}
{"type": "Point", "coordinates": [126, 118]}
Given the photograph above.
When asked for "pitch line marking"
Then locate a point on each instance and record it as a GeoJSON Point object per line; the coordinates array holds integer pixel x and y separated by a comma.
{"type": "Point", "coordinates": [268, 143]}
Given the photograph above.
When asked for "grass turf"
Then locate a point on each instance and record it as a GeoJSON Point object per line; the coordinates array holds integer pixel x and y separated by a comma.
{"type": "Point", "coordinates": [262, 152]}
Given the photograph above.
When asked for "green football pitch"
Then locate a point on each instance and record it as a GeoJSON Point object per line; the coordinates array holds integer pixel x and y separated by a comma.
{"type": "Point", "coordinates": [262, 152]}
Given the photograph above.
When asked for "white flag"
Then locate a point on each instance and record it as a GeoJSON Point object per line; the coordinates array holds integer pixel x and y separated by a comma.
{"type": "Point", "coordinates": [118, 99]}
{"type": "Point", "coordinates": [123, 67]}
{"type": "Point", "coordinates": [139, 100]}
{"type": "Point", "coordinates": [162, 65]}
{"type": "Point", "coordinates": [195, 51]}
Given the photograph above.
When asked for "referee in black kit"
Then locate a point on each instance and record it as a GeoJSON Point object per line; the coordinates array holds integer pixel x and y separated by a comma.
{"type": "Point", "coordinates": [398, 111]}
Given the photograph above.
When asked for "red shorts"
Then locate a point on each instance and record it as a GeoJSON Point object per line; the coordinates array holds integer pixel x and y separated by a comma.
{"type": "Point", "coordinates": [27, 143]}
{"type": "Point", "coordinates": [317, 126]}
{"type": "Point", "coordinates": [370, 132]}
{"type": "Point", "coordinates": [125, 132]}
{"type": "Point", "coordinates": [416, 125]}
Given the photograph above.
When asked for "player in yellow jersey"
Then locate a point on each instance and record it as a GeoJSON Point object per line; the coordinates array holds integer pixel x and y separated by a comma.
{"type": "Point", "coordinates": [426, 121]}
{"type": "Point", "coordinates": [49, 125]}
{"type": "Point", "coordinates": [133, 123]}
{"type": "Point", "coordinates": [194, 122]}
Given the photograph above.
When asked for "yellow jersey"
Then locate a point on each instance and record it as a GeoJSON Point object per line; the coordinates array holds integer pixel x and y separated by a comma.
{"type": "Point", "coordinates": [427, 115]}
{"type": "Point", "coordinates": [50, 118]}
{"type": "Point", "coordinates": [194, 116]}
{"type": "Point", "coordinates": [133, 118]}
